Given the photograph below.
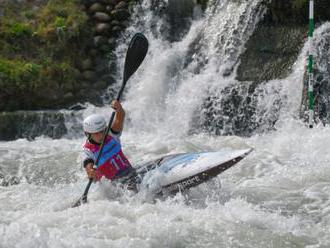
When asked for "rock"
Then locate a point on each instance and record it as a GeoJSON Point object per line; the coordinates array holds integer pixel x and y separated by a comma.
{"type": "Point", "coordinates": [109, 8]}
{"type": "Point", "coordinates": [68, 96]}
{"type": "Point", "coordinates": [102, 17]}
{"type": "Point", "coordinates": [131, 6]}
{"type": "Point", "coordinates": [101, 84]}
{"type": "Point", "coordinates": [91, 95]}
{"type": "Point", "coordinates": [178, 16]}
{"type": "Point", "coordinates": [84, 84]}
{"type": "Point", "coordinates": [270, 53]}
{"type": "Point", "coordinates": [88, 3]}
{"type": "Point", "coordinates": [102, 28]}
{"type": "Point", "coordinates": [115, 23]}
{"type": "Point", "coordinates": [102, 69]}
{"type": "Point", "coordinates": [88, 75]}
{"type": "Point", "coordinates": [108, 78]}
{"type": "Point", "coordinates": [86, 64]}
{"type": "Point", "coordinates": [116, 29]}
{"type": "Point", "coordinates": [100, 40]}
{"type": "Point", "coordinates": [101, 61]}
{"type": "Point", "coordinates": [202, 3]}
{"type": "Point", "coordinates": [295, 12]}
{"type": "Point", "coordinates": [96, 7]}
{"type": "Point", "coordinates": [67, 87]}
{"type": "Point", "coordinates": [112, 2]}
{"type": "Point", "coordinates": [277, 40]}
{"type": "Point", "coordinates": [92, 52]}
{"type": "Point", "coordinates": [120, 14]}
{"type": "Point", "coordinates": [77, 106]}
{"type": "Point", "coordinates": [30, 124]}
{"type": "Point", "coordinates": [121, 5]}
{"type": "Point", "coordinates": [125, 24]}
{"type": "Point", "coordinates": [112, 42]}
{"type": "Point", "coordinates": [76, 72]}
{"type": "Point", "coordinates": [104, 49]}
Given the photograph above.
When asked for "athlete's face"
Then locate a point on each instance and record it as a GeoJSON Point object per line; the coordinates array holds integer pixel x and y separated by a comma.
{"type": "Point", "coordinates": [97, 137]}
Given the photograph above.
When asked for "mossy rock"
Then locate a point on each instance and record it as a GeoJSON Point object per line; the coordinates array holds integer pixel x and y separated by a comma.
{"type": "Point", "coordinates": [278, 39]}
{"type": "Point", "coordinates": [295, 12]}
{"type": "Point", "coordinates": [270, 53]}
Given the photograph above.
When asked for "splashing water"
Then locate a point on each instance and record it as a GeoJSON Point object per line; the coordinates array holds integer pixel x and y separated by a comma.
{"type": "Point", "coordinates": [279, 196]}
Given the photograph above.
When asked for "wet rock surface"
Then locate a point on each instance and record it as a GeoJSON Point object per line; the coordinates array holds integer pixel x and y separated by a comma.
{"type": "Point", "coordinates": [30, 124]}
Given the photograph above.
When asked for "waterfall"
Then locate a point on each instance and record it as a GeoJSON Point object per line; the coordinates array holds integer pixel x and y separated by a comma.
{"type": "Point", "coordinates": [169, 91]}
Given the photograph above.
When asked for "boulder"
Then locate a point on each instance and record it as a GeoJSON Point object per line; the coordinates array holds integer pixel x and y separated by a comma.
{"type": "Point", "coordinates": [271, 52]}
{"type": "Point", "coordinates": [96, 7]}
{"type": "Point", "coordinates": [115, 23]}
{"type": "Point", "coordinates": [109, 8]}
{"type": "Point", "coordinates": [112, 2]}
{"type": "Point", "coordinates": [116, 29]}
{"type": "Point", "coordinates": [121, 5]}
{"type": "Point", "coordinates": [101, 84]}
{"type": "Point", "coordinates": [100, 40]}
{"type": "Point", "coordinates": [88, 75]}
{"type": "Point", "coordinates": [102, 28]}
{"type": "Point", "coordinates": [112, 42]}
{"type": "Point", "coordinates": [120, 14]}
{"type": "Point", "coordinates": [92, 52]}
{"type": "Point", "coordinates": [102, 17]}
{"type": "Point", "coordinates": [68, 96]}
{"type": "Point", "coordinates": [86, 64]}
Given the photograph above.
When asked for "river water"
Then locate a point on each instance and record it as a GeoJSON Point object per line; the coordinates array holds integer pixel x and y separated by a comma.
{"type": "Point", "coordinates": [279, 196]}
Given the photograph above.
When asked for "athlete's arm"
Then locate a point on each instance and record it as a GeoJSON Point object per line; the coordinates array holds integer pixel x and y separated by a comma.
{"type": "Point", "coordinates": [118, 122]}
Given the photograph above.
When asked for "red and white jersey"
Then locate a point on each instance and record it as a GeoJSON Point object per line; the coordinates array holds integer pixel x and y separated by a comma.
{"type": "Point", "coordinates": [112, 162]}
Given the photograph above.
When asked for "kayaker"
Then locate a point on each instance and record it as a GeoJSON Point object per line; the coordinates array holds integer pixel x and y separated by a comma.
{"type": "Point", "coordinates": [113, 163]}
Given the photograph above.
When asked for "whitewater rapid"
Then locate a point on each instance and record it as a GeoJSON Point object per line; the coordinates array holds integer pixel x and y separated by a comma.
{"type": "Point", "coordinates": [278, 196]}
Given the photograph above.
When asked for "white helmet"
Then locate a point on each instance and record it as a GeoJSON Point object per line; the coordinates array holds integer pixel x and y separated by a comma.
{"type": "Point", "coordinates": [94, 123]}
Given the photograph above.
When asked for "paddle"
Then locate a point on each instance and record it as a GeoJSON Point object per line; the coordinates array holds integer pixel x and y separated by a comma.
{"type": "Point", "coordinates": [136, 53]}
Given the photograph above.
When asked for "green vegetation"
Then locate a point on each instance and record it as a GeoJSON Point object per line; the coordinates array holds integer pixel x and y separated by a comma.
{"type": "Point", "coordinates": [16, 29]}
{"type": "Point", "coordinates": [17, 71]}
{"type": "Point", "coordinates": [61, 16]}
{"type": "Point", "coordinates": [39, 51]}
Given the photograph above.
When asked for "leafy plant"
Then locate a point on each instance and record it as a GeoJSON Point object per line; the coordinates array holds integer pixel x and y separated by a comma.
{"type": "Point", "coordinates": [19, 73]}
{"type": "Point", "coordinates": [16, 29]}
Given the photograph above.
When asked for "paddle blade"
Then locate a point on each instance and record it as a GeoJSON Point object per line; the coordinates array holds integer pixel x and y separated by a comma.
{"type": "Point", "coordinates": [136, 53]}
{"type": "Point", "coordinates": [81, 201]}
{"type": "Point", "coordinates": [83, 198]}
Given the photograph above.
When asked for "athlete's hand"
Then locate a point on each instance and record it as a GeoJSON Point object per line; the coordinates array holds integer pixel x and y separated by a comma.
{"type": "Point", "coordinates": [90, 171]}
{"type": "Point", "coordinates": [116, 105]}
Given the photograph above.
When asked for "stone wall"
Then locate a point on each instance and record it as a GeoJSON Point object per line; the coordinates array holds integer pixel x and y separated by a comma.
{"type": "Point", "coordinates": [30, 124]}
{"type": "Point", "coordinates": [108, 19]}
{"type": "Point", "coordinates": [56, 53]}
